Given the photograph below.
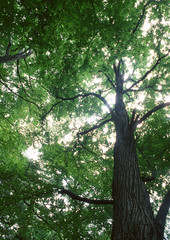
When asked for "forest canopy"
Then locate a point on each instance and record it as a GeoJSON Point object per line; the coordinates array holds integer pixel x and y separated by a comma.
{"type": "Point", "coordinates": [86, 83]}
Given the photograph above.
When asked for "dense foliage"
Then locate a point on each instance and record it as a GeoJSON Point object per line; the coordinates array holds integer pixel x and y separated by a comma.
{"type": "Point", "coordinates": [57, 85]}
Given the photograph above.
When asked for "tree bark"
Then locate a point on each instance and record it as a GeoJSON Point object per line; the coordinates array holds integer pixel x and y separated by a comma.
{"type": "Point", "coordinates": [132, 213]}
{"type": "Point", "coordinates": [133, 216]}
{"type": "Point", "coordinates": [161, 216]}
{"type": "Point", "coordinates": [18, 56]}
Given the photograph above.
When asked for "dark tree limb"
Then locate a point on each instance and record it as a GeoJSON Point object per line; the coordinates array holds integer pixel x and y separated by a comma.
{"type": "Point", "coordinates": [142, 16]}
{"type": "Point", "coordinates": [109, 80]}
{"type": "Point", "coordinates": [143, 89]}
{"type": "Point", "coordinates": [161, 215]}
{"type": "Point", "coordinates": [94, 95]}
{"type": "Point", "coordinates": [133, 116]}
{"type": "Point", "coordinates": [146, 74]}
{"type": "Point", "coordinates": [45, 115]}
{"type": "Point", "coordinates": [149, 178]}
{"type": "Point", "coordinates": [8, 48]}
{"type": "Point", "coordinates": [18, 56]}
{"type": "Point", "coordinates": [149, 113]}
{"type": "Point", "coordinates": [95, 127]}
{"type": "Point", "coordinates": [82, 199]}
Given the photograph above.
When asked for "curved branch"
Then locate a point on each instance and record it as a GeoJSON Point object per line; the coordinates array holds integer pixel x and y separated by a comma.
{"type": "Point", "coordinates": [149, 113]}
{"type": "Point", "coordinates": [161, 215]}
{"type": "Point", "coordinates": [45, 115]}
{"type": "Point", "coordinates": [94, 95]}
{"type": "Point", "coordinates": [146, 74]}
{"type": "Point", "coordinates": [82, 199]}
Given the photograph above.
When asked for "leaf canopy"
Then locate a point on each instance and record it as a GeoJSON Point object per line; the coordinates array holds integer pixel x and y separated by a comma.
{"type": "Point", "coordinates": [55, 94]}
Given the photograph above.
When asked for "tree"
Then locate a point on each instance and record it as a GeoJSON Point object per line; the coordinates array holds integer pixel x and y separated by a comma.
{"type": "Point", "coordinates": [89, 69]}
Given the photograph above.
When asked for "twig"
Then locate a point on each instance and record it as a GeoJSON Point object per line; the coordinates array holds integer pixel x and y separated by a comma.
{"type": "Point", "coordinates": [26, 100]}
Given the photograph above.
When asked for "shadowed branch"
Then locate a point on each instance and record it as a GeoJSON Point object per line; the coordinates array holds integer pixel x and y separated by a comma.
{"type": "Point", "coordinates": [21, 55]}
{"type": "Point", "coordinates": [82, 199]}
{"type": "Point", "coordinates": [149, 113]}
{"type": "Point", "coordinates": [94, 95]}
{"type": "Point", "coordinates": [109, 80]}
{"type": "Point", "coordinates": [8, 48]}
{"type": "Point", "coordinates": [95, 127]}
{"type": "Point", "coordinates": [146, 74]}
{"type": "Point", "coordinates": [149, 178]}
{"type": "Point", "coordinates": [142, 16]}
{"type": "Point", "coordinates": [45, 115]}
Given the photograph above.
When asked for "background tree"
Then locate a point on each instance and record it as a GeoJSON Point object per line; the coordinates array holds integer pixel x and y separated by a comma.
{"type": "Point", "coordinates": [84, 79]}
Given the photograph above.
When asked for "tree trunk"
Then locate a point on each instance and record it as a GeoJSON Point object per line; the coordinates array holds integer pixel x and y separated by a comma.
{"type": "Point", "coordinates": [132, 213]}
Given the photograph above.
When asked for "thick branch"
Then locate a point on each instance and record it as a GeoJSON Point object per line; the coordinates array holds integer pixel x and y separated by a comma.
{"type": "Point", "coordinates": [95, 127]}
{"type": "Point", "coordinates": [9, 58]}
{"type": "Point", "coordinates": [94, 95]}
{"type": "Point", "coordinates": [82, 199]}
{"type": "Point", "coordinates": [149, 113]}
{"type": "Point", "coordinates": [161, 215]}
{"type": "Point", "coordinates": [146, 74]}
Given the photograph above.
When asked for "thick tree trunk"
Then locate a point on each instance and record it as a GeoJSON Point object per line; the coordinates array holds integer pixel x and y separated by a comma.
{"type": "Point", "coordinates": [132, 213]}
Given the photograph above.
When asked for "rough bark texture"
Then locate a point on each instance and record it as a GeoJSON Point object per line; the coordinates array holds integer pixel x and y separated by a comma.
{"type": "Point", "coordinates": [132, 213]}
{"type": "Point", "coordinates": [133, 217]}
{"type": "Point", "coordinates": [21, 55]}
{"type": "Point", "coordinates": [161, 216]}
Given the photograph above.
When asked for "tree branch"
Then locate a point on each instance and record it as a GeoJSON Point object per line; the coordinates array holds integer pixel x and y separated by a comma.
{"type": "Point", "coordinates": [149, 113]}
{"type": "Point", "coordinates": [45, 115]}
{"type": "Point", "coordinates": [82, 199]}
{"type": "Point", "coordinates": [110, 81]}
{"type": "Point", "coordinates": [26, 100]}
{"type": "Point", "coordinates": [8, 48]}
{"type": "Point", "coordinates": [149, 178]}
{"type": "Point", "coordinates": [20, 55]}
{"type": "Point", "coordinates": [142, 15]}
{"type": "Point", "coordinates": [143, 89]}
{"type": "Point", "coordinates": [146, 74]}
{"type": "Point", "coordinates": [94, 95]}
{"type": "Point", "coordinates": [95, 127]}
{"type": "Point", "coordinates": [161, 215]}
